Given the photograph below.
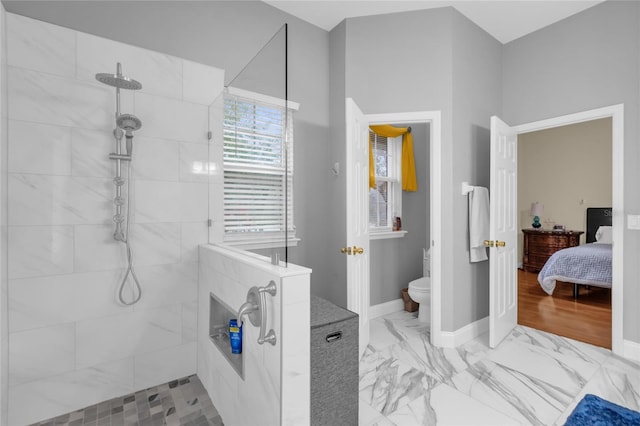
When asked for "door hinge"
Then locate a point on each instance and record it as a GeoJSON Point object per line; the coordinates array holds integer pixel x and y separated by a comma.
{"type": "Point", "coordinates": [209, 135]}
{"type": "Point", "coordinates": [209, 223]}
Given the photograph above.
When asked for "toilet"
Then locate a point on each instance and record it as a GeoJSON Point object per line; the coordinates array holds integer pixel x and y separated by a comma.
{"type": "Point", "coordinates": [420, 289]}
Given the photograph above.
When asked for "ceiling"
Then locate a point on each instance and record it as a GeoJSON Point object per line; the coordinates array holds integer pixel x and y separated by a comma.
{"type": "Point", "coordinates": [505, 20]}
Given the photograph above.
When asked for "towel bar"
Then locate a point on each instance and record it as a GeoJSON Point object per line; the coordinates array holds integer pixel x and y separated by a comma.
{"type": "Point", "coordinates": [466, 188]}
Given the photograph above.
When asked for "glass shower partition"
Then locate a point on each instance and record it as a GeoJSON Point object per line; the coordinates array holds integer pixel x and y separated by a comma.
{"type": "Point", "coordinates": [251, 157]}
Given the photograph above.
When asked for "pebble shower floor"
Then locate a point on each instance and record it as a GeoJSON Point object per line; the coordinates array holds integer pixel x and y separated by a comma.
{"type": "Point", "coordinates": [182, 402]}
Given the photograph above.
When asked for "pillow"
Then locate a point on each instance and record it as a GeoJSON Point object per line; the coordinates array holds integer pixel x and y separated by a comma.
{"type": "Point", "coordinates": [604, 235]}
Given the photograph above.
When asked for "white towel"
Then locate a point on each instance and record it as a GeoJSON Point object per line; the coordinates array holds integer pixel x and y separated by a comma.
{"type": "Point", "coordinates": [478, 223]}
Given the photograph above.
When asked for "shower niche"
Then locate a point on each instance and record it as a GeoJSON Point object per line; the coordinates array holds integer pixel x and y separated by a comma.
{"type": "Point", "coordinates": [219, 315]}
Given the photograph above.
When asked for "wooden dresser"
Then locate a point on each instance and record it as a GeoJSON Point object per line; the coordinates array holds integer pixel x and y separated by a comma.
{"type": "Point", "coordinates": [539, 245]}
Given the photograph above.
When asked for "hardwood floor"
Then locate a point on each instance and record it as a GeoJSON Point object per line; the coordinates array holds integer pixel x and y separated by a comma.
{"type": "Point", "coordinates": [587, 319]}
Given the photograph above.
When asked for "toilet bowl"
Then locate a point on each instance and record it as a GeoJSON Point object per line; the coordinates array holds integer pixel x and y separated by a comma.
{"type": "Point", "coordinates": [420, 289]}
{"type": "Point", "coordinates": [420, 292]}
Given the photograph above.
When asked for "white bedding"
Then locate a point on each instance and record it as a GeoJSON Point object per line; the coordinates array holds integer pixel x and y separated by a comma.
{"type": "Point", "coordinates": [588, 264]}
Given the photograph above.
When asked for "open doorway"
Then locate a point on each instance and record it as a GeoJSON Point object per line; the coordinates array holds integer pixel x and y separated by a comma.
{"type": "Point", "coordinates": [563, 173]}
{"type": "Point", "coordinates": [358, 295]}
{"type": "Point", "coordinates": [500, 325]}
{"type": "Point", "coordinates": [397, 246]}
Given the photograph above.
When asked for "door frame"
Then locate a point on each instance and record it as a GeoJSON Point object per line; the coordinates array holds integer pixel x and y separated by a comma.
{"type": "Point", "coordinates": [616, 113]}
{"type": "Point", "coordinates": [434, 119]}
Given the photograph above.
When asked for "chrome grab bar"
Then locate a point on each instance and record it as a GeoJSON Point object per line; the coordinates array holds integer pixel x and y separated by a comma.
{"type": "Point", "coordinates": [256, 309]}
{"type": "Point", "coordinates": [271, 335]}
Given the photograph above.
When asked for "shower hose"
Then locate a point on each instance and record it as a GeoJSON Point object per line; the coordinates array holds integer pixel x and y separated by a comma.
{"type": "Point", "coordinates": [130, 271]}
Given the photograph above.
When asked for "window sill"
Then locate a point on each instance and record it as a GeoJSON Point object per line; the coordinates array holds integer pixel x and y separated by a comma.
{"type": "Point", "coordinates": [386, 235]}
{"type": "Point", "coordinates": [262, 243]}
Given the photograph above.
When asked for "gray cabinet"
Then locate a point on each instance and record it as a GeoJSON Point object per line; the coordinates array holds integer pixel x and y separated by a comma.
{"type": "Point", "coordinates": [334, 364]}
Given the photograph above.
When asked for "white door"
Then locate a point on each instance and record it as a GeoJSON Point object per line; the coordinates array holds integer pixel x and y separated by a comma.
{"type": "Point", "coordinates": [503, 280]}
{"type": "Point", "coordinates": [356, 247]}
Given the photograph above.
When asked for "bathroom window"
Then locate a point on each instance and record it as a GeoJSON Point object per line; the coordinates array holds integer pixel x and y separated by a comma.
{"type": "Point", "coordinates": [258, 171]}
{"type": "Point", "coordinates": [385, 200]}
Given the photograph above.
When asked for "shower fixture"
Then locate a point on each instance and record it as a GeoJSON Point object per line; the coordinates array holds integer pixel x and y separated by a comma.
{"type": "Point", "coordinates": [118, 80]}
{"type": "Point", "coordinates": [126, 124]}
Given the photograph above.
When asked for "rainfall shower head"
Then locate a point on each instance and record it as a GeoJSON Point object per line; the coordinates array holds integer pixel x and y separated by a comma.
{"type": "Point", "coordinates": [128, 123]}
{"type": "Point", "coordinates": [118, 80]}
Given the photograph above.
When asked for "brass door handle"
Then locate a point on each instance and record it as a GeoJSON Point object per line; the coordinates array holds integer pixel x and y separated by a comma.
{"type": "Point", "coordinates": [357, 250]}
{"type": "Point", "coordinates": [345, 250]}
{"type": "Point", "coordinates": [491, 243]}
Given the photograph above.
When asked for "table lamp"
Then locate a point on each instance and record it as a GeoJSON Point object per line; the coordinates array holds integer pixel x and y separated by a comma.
{"type": "Point", "coordinates": [536, 212]}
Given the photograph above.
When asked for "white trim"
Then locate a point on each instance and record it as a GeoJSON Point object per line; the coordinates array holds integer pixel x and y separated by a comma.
{"type": "Point", "coordinates": [402, 117]}
{"type": "Point", "coordinates": [452, 339]}
{"type": "Point", "coordinates": [434, 118]}
{"type": "Point", "coordinates": [616, 112]}
{"type": "Point", "coordinates": [566, 120]}
{"type": "Point", "coordinates": [386, 308]}
{"type": "Point", "coordinates": [632, 350]}
{"type": "Point", "coordinates": [437, 206]}
{"type": "Point", "coordinates": [383, 235]}
{"type": "Point", "coordinates": [295, 106]}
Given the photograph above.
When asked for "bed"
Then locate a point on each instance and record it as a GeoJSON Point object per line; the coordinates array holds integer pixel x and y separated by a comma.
{"type": "Point", "coordinates": [588, 264]}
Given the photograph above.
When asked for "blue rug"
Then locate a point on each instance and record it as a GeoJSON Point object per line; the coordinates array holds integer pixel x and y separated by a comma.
{"type": "Point", "coordinates": [595, 411]}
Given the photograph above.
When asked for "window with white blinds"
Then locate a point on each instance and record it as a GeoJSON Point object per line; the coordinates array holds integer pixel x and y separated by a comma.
{"type": "Point", "coordinates": [385, 200]}
{"type": "Point", "coordinates": [258, 170]}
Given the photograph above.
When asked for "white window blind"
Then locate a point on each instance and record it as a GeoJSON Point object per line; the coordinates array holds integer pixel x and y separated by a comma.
{"type": "Point", "coordinates": [385, 200]}
{"type": "Point", "coordinates": [258, 169]}
{"type": "Point", "coordinates": [379, 196]}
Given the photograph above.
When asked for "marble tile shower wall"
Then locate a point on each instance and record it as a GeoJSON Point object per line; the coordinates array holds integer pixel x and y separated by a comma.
{"type": "Point", "coordinates": [71, 343]}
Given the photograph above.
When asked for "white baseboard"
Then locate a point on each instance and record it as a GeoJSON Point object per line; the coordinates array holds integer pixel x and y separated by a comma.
{"type": "Point", "coordinates": [390, 307]}
{"type": "Point", "coordinates": [452, 339]}
{"type": "Point", "coordinates": [632, 350]}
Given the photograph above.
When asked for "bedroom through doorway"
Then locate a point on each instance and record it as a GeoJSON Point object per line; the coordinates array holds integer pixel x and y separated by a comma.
{"type": "Point", "coordinates": [563, 171]}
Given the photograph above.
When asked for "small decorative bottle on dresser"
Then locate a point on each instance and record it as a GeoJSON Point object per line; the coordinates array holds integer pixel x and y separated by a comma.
{"type": "Point", "coordinates": [539, 245]}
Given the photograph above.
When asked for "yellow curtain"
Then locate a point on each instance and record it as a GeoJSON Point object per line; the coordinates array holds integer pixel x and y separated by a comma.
{"type": "Point", "coordinates": [409, 181]}
{"type": "Point", "coordinates": [372, 167]}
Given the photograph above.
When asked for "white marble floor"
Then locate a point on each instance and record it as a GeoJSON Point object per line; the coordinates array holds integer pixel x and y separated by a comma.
{"type": "Point", "coordinates": [531, 378]}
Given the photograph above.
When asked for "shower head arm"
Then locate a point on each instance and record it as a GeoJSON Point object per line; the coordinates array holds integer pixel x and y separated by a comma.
{"type": "Point", "coordinates": [117, 102]}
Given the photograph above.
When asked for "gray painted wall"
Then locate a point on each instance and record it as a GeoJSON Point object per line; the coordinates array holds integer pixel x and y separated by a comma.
{"type": "Point", "coordinates": [420, 81]}
{"type": "Point", "coordinates": [4, 281]}
{"type": "Point", "coordinates": [335, 289]}
{"type": "Point", "coordinates": [587, 61]}
{"type": "Point", "coordinates": [396, 261]}
{"type": "Point", "coordinates": [216, 33]}
{"type": "Point", "coordinates": [451, 65]}
{"type": "Point", "coordinates": [477, 95]}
